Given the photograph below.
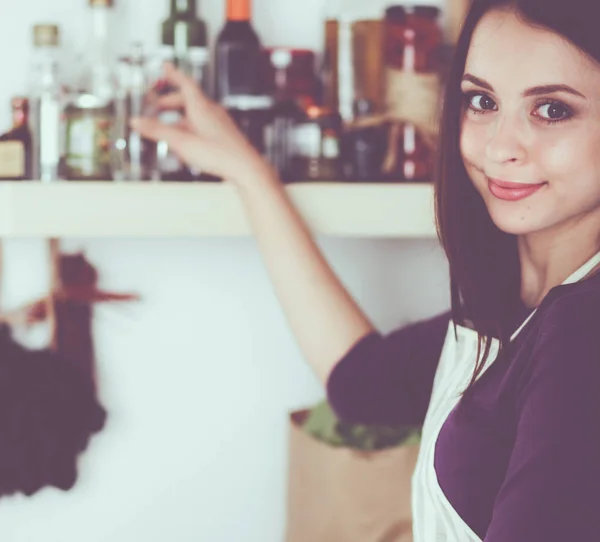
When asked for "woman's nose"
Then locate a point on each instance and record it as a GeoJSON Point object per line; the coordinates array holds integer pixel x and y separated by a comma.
{"type": "Point", "coordinates": [504, 141]}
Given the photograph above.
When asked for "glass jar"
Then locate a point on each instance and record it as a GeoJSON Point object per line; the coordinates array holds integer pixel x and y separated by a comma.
{"type": "Point", "coordinates": [316, 142]}
{"type": "Point", "coordinates": [289, 74]}
{"type": "Point", "coordinates": [412, 41]}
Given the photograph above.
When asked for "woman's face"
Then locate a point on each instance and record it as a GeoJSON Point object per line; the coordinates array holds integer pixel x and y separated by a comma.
{"type": "Point", "coordinates": [531, 115]}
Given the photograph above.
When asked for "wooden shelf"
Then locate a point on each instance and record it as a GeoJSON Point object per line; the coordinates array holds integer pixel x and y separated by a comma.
{"type": "Point", "coordinates": [137, 209]}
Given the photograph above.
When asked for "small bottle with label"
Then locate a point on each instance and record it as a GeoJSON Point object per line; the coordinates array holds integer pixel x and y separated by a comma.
{"type": "Point", "coordinates": [15, 145]}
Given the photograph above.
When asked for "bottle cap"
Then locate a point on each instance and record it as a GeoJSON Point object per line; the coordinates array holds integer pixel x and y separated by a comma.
{"type": "Point", "coordinates": [238, 10]}
{"type": "Point", "coordinates": [46, 35]}
{"type": "Point", "coordinates": [102, 3]}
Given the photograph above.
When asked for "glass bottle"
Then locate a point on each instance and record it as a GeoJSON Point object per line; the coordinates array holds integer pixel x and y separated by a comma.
{"type": "Point", "coordinates": [187, 34]}
{"type": "Point", "coordinates": [317, 146]}
{"type": "Point", "coordinates": [411, 47]}
{"type": "Point", "coordinates": [134, 156]}
{"type": "Point", "coordinates": [15, 145]}
{"type": "Point", "coordinates": [291, 83]}
{"type": "Point", "coordinates": [363, 146]}
{"type": "Point", "coordinates": [90, 111]}
{"type": "Point", "coordinates": [46, 102]}
{"type": "Point", "coordinates": [238, 47]}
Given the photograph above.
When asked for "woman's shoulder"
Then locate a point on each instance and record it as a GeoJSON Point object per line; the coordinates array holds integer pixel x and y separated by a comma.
{"type": "Point", "coordinates": [567, 331]}
{"type": "Point", "coordinates": [572, 304]}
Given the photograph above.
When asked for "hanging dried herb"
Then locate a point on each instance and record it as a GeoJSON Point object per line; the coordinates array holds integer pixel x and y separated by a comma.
{"type": "Point", "coordinates": [49, 407]}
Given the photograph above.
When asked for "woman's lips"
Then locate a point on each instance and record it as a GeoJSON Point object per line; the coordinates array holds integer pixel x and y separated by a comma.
{"type": "Point", "coordinates": [508, 191]}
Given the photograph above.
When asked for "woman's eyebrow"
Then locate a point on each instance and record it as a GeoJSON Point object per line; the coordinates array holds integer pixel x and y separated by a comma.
{"type": "Point", "coordinates": [533, 91]}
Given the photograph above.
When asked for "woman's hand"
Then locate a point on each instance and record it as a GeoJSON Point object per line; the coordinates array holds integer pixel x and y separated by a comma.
{"type": "Point", "coordinates": [207, 139]}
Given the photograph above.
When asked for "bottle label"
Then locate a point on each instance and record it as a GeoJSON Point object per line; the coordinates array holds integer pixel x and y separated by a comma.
{"type": "Point", "coordinates": [49, 132]}
{"type": "Point", "coordinates": [12, 159]}
{"type": "Point", "coordinates": [181, 39]}
{"type": "Point", "coordinates": [238, 69]}
{"type": "Point", "coordinates": [307, 140]}
{"type": "Point", "coordinates": [413, 97]}
{"type": "Point", "coordinates": [88, 152]}
{"type": "Point", "coordinates": [331, 147]}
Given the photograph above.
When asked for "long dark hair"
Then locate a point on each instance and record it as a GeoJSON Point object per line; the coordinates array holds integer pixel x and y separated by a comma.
{"type": "Point", "coordinates": [485, 275]}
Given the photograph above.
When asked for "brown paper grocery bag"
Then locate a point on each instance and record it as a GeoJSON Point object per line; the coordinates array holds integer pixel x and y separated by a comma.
{"type": "Point", "coordinates": [342, 495]}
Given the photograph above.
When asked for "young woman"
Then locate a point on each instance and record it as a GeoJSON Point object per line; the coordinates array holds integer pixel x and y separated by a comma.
{"type": "Point", "coordinates": [507, 383]}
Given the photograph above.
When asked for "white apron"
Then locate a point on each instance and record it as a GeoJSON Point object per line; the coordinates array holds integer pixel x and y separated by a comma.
{"type": "Point", "coordinates": [434, 519]}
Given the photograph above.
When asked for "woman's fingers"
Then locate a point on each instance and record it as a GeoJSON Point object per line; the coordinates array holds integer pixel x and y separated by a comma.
{"type": "Point", "coordinates": [193, 150]}
{"type": "Point", "coordinates": [174, 100]}
{"type": "Point", "coordinates": [155, 130]}
{"type": "Point", "coordinates": [188, 88]}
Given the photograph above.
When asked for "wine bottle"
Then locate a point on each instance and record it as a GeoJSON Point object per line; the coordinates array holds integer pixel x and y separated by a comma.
{"type": "Point", "coordinates": [187, 35]}
{"type": "Point", "coordinates": [238, 48]}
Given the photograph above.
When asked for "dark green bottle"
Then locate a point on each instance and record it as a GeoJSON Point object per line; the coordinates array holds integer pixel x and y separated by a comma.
{"type": "Point", "coordinates": [186, 33]}
{"type": "Point", "coordinates": [185, 40]}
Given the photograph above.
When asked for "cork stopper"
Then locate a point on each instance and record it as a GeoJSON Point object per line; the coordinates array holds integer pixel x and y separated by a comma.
{"type": "Point", "coordinates": [102, 3]}
{"type": "Point", "coordinates": [46, 35]}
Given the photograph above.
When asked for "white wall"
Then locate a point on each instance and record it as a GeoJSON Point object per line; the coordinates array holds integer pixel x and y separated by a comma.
{"type": "Point", "coordinates": [199, 376]}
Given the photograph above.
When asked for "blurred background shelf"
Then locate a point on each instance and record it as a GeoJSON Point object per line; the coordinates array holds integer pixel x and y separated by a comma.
{"type": "Point", "coordinates": [106, 209]}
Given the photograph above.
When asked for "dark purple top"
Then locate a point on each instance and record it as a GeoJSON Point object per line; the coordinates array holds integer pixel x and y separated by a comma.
{"type": "Point", "coordinates": [520, 461]}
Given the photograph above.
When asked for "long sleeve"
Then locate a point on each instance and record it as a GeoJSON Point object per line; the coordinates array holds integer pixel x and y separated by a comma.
{"type": "Point", "coordinates": [551, 492]}
{"type": "Point", "coordinates": [387, 380]}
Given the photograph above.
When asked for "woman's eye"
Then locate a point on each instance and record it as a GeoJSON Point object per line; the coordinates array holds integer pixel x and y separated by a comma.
{"type": "Point", "coordinates": [554, 111]}
{"type": "Point", "coordinates": [480, 102]}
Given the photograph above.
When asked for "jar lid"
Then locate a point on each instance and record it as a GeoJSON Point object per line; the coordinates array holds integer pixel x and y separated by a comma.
{"type": "Point", "coordinates": [429, 12]}
{"type": "Point", "coordinates": [280, 57]}
{"type": "Point", "coordinates": [248, 102]}
{"type": "Point", "coordinates": [46, 35]}
{"type": "Point", "coordinates": [396, 13]}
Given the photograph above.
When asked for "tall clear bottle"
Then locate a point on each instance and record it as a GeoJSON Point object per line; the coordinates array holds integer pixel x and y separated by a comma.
{"type": "Point", "coordinates": [134, 156]}
{"type": "Point", "coordinates": [46, 102]}
{"type": "Point", "coordinates": [90, 113]}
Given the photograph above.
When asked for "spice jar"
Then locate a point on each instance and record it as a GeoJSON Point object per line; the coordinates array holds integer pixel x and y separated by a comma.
{"type": "Point", "coordinates": [317, 146]}
{"type": "Point", "coordinates": [412, 41]}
